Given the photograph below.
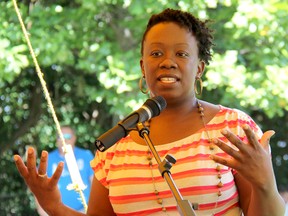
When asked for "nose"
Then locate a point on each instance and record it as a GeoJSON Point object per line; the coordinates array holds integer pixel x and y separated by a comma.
{"type": "Point", "coordinates": [168, 63]}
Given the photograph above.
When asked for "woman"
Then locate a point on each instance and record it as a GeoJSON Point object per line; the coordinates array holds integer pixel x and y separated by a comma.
{"type": "Point", "coordinates": [223, 161]}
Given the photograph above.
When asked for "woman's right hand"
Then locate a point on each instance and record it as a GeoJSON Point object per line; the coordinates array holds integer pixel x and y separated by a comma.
{"type": "Point", "coordinates": [45, 189]}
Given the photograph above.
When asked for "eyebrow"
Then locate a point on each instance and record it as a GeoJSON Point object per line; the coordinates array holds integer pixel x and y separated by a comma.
{"type": "Point", "coordinates": [160, 43]}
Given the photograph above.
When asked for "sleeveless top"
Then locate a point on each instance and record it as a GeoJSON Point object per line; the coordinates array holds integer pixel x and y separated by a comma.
{"type": "Point", "coordinates": [125, 171]}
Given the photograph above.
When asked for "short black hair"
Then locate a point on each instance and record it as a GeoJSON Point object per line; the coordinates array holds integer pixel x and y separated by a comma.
{"type": "Point", "coordinates": [198, 28]}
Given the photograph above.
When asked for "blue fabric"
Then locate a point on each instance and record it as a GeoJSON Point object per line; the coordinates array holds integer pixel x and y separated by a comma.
{"type": "Point", "coordinates": [83, 157]}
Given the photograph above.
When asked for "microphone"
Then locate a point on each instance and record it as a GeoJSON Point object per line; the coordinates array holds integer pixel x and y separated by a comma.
{"type": "Point", "coordinates": [151, 108]}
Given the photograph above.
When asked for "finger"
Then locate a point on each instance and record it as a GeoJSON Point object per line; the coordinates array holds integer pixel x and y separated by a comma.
{"type": "Point", "coordinates": [57, 174]}
{"type": "Point", "coordinates": [252, 139]}
{"type": "Point", "coordinates": [43, 163]}
{"type": "Point", "coordinates": [226, 148]}
{"type": "Point", "coordinates": [265, 139]}
{"type": "Point", "coordinates": [224, 161]}
{"type": "Point", "coordinates": [22, 169]}
{"type": "Point", "coordinates": [31, 161]}
{"type": "Point", "coordinates": [234, 140]}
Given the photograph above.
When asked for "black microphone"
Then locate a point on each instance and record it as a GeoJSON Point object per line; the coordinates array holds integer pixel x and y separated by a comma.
{"type": "Point", "coordinates": [151, 108]}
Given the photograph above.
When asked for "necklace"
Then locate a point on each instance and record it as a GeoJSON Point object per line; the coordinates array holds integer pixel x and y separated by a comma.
{"type": "Point", "coordinates": [156, 192]}
{"type": "Point", "coordinates": [211, 148]}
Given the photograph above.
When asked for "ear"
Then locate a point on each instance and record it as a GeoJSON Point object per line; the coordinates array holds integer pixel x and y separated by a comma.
{"type": "Point", "coordinates": [142, 67]}
{"type": "Point", "coordinates": [201, 68]}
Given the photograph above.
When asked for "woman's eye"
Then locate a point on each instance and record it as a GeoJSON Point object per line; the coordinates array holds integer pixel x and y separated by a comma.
{"type": "Point", "coordinates": [156, 54]}
{"type": "Point", "coordinates": [182, 54]}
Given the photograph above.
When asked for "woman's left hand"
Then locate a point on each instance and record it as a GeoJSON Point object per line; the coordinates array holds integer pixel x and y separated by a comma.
{"type": "Point", "coordinates": [251, 160]}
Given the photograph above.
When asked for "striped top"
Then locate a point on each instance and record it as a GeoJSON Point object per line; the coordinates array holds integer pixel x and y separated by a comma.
{"type": "Point", "coordinates": [124, 170]}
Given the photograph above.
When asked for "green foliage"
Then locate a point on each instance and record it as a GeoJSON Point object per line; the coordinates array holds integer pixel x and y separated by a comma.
{"type": "Point", "coordinates": [89, 54]}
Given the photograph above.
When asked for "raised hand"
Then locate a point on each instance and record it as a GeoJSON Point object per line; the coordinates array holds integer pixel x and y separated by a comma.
{"type": "Point", "coordinates": [252, 160]}
{"type": "Point", "coordinates": [45, 189]}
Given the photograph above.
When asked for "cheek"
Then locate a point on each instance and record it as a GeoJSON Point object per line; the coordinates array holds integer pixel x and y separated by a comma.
{"type": "Point", "coordinates": [149, 68]}
{"type": "Point", "coordinates": [188, 75]}
{"type": "Point", "coordinates": [149, 80]}
{"type": "Point", "coordinates": [190, 69]}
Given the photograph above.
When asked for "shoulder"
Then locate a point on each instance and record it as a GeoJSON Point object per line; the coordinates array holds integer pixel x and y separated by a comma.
{"type": "Point", "coordinates": [234, 113]}
{"type": "Point", "coordinates": [237, 117]}
{"type": "Point", "coordinates": [222, 112]}
{"type": "Point", "coordinates": [229, 115]}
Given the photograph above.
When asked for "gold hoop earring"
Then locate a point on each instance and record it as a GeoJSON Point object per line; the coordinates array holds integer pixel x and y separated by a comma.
{"type": "Point", "coordinates": [198, 92]}
{"type": "Point", "coordinates": [141, 86]}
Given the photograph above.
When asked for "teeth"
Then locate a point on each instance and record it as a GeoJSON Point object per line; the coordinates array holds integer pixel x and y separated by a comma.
{"type": "Point", "coordinates": [168, 79]}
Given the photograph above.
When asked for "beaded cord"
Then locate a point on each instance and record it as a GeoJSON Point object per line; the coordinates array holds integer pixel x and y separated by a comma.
{"type": "Point", "coordinates": [211, 147]}
{"type": "Point", "coordinates": [156, 192]}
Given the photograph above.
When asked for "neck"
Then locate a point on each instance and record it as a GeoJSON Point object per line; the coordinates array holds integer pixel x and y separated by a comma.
{"type": "Point", "coordinates": [177, 113]}
{"type": "Point", "coordinates": [181, 107]}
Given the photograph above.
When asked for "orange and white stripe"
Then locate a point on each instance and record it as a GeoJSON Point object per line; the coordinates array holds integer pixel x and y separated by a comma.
{"type": "Point", "coordinates": [125, 171]}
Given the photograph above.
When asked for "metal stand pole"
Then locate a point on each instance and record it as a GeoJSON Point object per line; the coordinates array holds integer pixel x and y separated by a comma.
{"type": "Point", "coordinates": [184, 206]}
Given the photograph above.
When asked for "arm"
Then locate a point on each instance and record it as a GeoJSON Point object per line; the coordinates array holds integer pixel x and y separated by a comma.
{"type": "Point", "coordinates": [39, 209]}
{"type": "Point", "coordinates": [255, 201]}
{"type": "Point", "coordinates": [255, 178]}
{"type": "Point", "coordinates": [99, 203]}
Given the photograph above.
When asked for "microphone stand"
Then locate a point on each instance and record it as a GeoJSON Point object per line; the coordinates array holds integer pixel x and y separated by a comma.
{"type": "Point", "coordinates": [184, 206]}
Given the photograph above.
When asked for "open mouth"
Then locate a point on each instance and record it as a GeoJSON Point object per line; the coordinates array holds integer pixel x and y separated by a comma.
{"type": "Point", "coordinates": [168, 78]}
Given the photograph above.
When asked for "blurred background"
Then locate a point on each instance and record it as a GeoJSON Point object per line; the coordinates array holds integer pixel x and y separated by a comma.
{"type": "Point", "coordinates": [89, 51]}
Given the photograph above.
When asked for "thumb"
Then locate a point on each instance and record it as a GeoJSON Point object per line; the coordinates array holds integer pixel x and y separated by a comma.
{"type": "Point", "coordinates": [265, 139]}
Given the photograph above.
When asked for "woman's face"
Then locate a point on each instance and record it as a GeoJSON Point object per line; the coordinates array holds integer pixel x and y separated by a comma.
{"type": "Point", "coordinates": [170, 61]}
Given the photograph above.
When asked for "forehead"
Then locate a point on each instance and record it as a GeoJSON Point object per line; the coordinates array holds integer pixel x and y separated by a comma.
{"type": "Point", "coordinates": [169, 32]}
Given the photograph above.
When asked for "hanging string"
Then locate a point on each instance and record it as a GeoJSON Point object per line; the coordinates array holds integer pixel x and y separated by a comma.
{"type": "Point", "coordinates": [77, 185]}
